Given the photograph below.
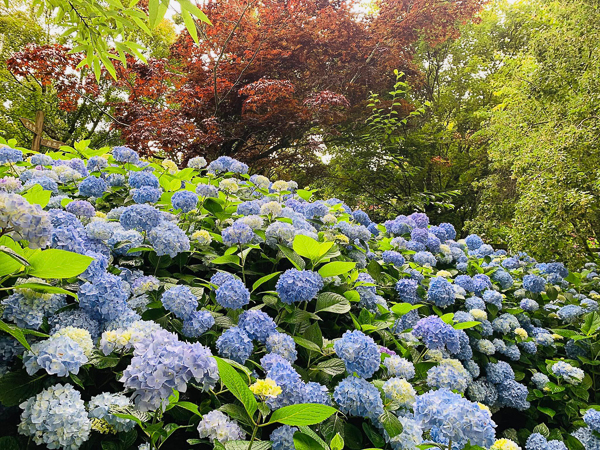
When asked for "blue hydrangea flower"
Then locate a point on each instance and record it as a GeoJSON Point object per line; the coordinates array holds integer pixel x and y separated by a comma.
{"type": "Point", "coordinates": [146, 194]}
{"type": "Point", "coordinates": [125, 155]}
{"type": "Point", "coordinates": [10, 155]}
{"type": "Point", "coordinates": [197, 323]}
{"type": "Point", "coordinates": [235, 344]}
{"type": "Point", "coordinates": [473, 242]}
{"type": "Point", "coordinates": [419, 235]}
{"type": "Point", "coordinates": [503, 278]}
{"type": "Point", "coordinates": [97, 267]}
{"type": "Point", "coordinates": [420, 219]}
{"type": "Point", "coordinates": [96, 164]}
{"type": "Point", "coordinates": [180, 301]}
{"type": "Point", "coordinates": [534, 283]}
{"type": "Point", "coordinates": [124, 240]}
{"type": "Point", "coordinates": [216, 426]}
{"type": "Point", "coordinates": [423, 258]}
{"type": "Point", "coordinates": [99, 229]}
{"type": "Point", "coordinates": [481, 282]}
{"type": "Point", "coordinates": [572, 375]}
{"type": "Point", "coordinates": [57, 355]}
{"type": "Point", "coordinates": [475, 303]}
{"type": "Point", "coordinates": [282, 344]}
{"type": "Point", "coordinates": [168, 239]}
{"type": "Point", "coordinates": [46, 183]}
{"type": "Point", "coordinates": [249, 208]}
{"type": "Point", "coordinates": [449, 229]}
{"type": "Point", "coordinates": [81, 208]}
{"type": "Point", "coordinates": [257, 325]}
{"type": "Point", "coordinates": [316, 393]}
{"type": "Point", "coordinates": [162, 363]}
{"type": "Point", "coordinates": [513, 395]}
{"type": "Point", "coordinates": [56, 418]}
{"type": "Point", "coordinates": [440, 292]}
{"type": "Point", "coordinates": [140, 217]}
{"type": "Point", "coordinates": [415, 246]}
{"type": "Point", "coordinates": [9, 349]}
{"type": "Point", "coordinates": [283, 437]}
{"type": "Point", "coordinates": [437, 335]}
{"type": "Point", "coordinates": [576, 349]}
{"type": "Point", "coordinates": [455, 418]}
{"type": "Point", "coordinates": [359, 353]}
{"type": "Point", "coordinates": [208, 190]}
{"type": "Point", "coordinates": [411, 436]}
{"type": "Point", "coordinates": [505, 323]}
{"type": "Point", "coordinates": [372, 227]}
{"type": "Point", "coordinates": [184, 200]}
{"type": "Point", "coordinates": [361, 217]}
{"type": "Point", "coordinates": [398, 226]}
{"type": "Point", "coordinates": [536, 441]}
{"type": "Point", "coordinates": [482, 391]}
{"type": "Point", "coordinates": [316, 209]}
{"type": "Point", "coordinates": [227, 164]}
{"type": "Point", "coordinates": [392, 257]}
{"type": "Point", "coordinates": [499, 372]}
{"type": "Point", "coordinates": [92, 187]}
{"type": "Point", "coordinates": [450, 374]}
{"type": "Point", "coordinates": [76, 318]}
{"type": "Point", "coordinates": [233, 294]}
{"type": "Point", "coordinates": [439, 232]}
{"type": "Point", "coordinates": [27, 308]}
{"type": "Point", "coordinates": [588, 438]}
{"type": "Point", "coordinates": [298, 285]}
{"type": "Point", "coordinates": [405, 322]}
{"type": "Point", "coordinates": [115, 179]}
{"type": "Point", "coordinates": [220, 278]}
{"type": "Point", "coordinates": [143, 178]}
{"type": "Point", "coordinates": [540, 380]}
{"type": "Point", "coordinates": [493, 297]}
{"type": "Point", "coordinates": [237, 234]}
{"type": "Point", "coordinates": [105, 299]}
{"type": "Point", "coordinates": [407, 290]}
{"type": "Point", "coordinates": [433, 244]}
{"type": "Point", "coordinates": [281, 371]}
{"type": "Point", "coordinates": [570, 313]}
{"type": "Point", "coordinates": [529, 305]}
{"type": "Point", "coordinates": [358, 397]}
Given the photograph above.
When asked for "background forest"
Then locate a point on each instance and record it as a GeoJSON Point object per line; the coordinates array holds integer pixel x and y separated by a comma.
{"type": "Point", "coordinates": [483, 115]}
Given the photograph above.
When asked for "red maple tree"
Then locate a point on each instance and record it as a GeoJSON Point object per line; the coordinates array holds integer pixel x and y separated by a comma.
{"type": "Point", "coordinates": [272, 78]}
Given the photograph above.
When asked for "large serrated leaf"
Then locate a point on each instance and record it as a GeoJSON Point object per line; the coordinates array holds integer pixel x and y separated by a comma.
{"type": "Point", "coordinates": [332, 302]}
{"type": "Point", "coordinates": [16, 387]}
{"type": "Point", "coordinates": [303, 441]}
{"type": "Point", "coordinates": [332, 367]}
{"type": "Point", "coordinates": [293, 257]}
{"type": "Point", "coordinates": [302, 414]}
{"type": "Point", "coordinates": [391, 423]}
{"type": "Point", "coordinates": [232, 380]}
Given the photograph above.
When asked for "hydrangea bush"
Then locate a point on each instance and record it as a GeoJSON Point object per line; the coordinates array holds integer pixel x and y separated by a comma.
{"type": "Point", "coordinates": [146, 306]}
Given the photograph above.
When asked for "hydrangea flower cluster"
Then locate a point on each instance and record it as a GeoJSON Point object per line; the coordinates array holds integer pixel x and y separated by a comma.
{"type": "Point", "coordinates": [455, 419]}
{"type": "Point", "coordinates": [56, 417]}
{"type": "Point", "coordinates": [359, 353]}
{"type": "Point", "coordinates": [296, 286]}
{"type": "Point", "coordinates": [162, 363]}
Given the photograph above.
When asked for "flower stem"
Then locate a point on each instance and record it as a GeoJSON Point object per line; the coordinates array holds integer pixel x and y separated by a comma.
{"type": "Point", "coordinates": [256, 425]}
